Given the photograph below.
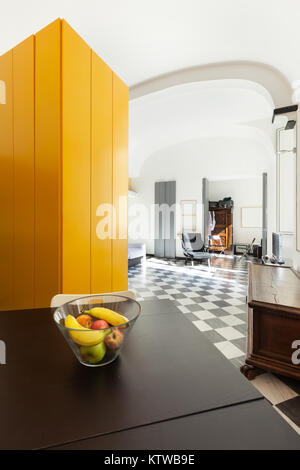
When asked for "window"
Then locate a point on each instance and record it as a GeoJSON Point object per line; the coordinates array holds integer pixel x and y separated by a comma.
{"type": "Point", "coordinates": [188, 216]}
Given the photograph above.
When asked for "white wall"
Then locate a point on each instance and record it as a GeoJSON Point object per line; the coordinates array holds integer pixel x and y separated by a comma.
{"type": "Point", "coordinates": [296, 254]}
{"type": "Point", "coordinates": [217, 158]}
{"type": "Point", "coordinates": [288, 200]}
{"type": "Point", "coordinates": [245, 193]}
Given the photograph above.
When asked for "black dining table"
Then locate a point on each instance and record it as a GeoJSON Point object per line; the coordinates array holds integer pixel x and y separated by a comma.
{"type": "Point", "coordinates": [169, 389]}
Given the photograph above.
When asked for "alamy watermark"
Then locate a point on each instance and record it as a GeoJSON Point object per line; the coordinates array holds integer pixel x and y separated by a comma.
{"type": "Point", "coordinates": [296, 354]}
{"type": "Point", "coordinates": [145, 221]}
{"type": "Point", "coordinates": [2, 352]}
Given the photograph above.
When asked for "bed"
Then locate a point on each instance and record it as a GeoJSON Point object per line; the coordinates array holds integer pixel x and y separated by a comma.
{"type": "Point", "coordinates": [136, 253]}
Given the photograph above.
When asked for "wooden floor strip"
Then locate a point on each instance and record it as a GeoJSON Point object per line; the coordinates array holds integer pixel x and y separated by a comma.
{"type": "Point", "coordinates": [273, 389]}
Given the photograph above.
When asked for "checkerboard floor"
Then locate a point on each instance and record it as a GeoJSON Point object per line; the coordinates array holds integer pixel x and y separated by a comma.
{"type": "Point", "coordinates": [214, 300]}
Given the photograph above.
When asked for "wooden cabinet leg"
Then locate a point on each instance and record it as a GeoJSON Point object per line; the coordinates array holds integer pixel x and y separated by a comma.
{"type": "Point", "coordinates": [250, 372]}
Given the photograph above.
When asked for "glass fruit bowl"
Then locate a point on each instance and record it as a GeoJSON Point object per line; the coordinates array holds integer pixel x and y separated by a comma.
{"type": "Point", "coordinates": [96, 326]}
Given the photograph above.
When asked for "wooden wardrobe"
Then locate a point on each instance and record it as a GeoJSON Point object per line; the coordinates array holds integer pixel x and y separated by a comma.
{"type": "Point", "coordinates": [223, 229]}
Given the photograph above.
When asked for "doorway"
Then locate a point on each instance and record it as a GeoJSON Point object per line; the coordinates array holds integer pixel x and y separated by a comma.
{"type": "Point", "coordinates": [220, 215]}
{"type": "Point", "coordinates": [236, 215]}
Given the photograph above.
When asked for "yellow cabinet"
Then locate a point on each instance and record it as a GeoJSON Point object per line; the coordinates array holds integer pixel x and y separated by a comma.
{"type": "Point", "coordinates": [76, 162]}
{"type": "Point", "coordinates": [48, 187]}
{"type": "Point", "coordinates": [23, 211]}
{"type": "Point", "coordinates": [63, 158]}
{"type": "Point", "coordinates": [7, 186]}
{"type": "Point", "coordinates": [101, 172]}
{"type": "Point", "coordinates": [120, 186]}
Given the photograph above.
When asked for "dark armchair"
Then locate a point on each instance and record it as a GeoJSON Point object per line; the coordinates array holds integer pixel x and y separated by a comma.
{"type": "Point", "coordinates": [194, 249]}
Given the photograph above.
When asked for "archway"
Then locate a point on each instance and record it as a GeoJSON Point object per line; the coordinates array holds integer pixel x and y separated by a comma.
{"type": "Point", "coordinates": [268, 77]}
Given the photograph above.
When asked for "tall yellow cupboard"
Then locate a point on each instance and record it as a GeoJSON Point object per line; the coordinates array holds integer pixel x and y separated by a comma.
{"type": "Point", "coordinates": [48, 162]}
{"type": "Point", "coordinates": [7, 185]}
{"type": "Point", "coordinates": [101, 172]}
{"type": "Point", "coordinates": [23, 156]}
{"type": "Point", "coordinates": [120, 186]}
{"type": "Point", "coordinates": [76, 162]}
{"type": "Point", "coordinates": [63, 160]}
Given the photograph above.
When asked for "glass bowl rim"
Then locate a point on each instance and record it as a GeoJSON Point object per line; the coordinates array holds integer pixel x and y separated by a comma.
{"type": "Point", "coordinates": [97, 295]}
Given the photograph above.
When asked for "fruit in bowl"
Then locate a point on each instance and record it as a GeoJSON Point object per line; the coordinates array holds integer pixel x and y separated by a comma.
{"type": "Point", "coordinates": [81, 335]}
{"type": "Point", "coordinates": [108, 315]}
{"type": "Point", "coordinates": [96, 327]}
{"type": "Point", "coordinates": [85, 320]}
{"type": "Point", "coordinates": [93, 354]}
{"type": "Point", "coordinates": [93, 345]}
{"type": "Point", "coordinates": [114, 339]}
{"type": "Point", "coordinates": [99, 325]}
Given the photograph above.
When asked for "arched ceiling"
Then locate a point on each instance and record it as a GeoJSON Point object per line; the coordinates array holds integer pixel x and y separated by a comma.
{"type": "Point", "coordinates": [233, 109]}
{"type": "Point", "coordinates": [143, 39]}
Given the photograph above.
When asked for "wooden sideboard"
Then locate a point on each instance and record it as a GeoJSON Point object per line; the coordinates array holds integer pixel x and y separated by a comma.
{"type": "Point", "coordinates": [273, 321]}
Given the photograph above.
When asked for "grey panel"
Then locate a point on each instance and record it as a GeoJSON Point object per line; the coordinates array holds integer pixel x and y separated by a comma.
{"type": "Point", "coordinates": [205, 208]}
{"type": "Point", "coordinates": [264, 215]}
{"type": "Point", "coordinates": [170, 200]}
{"type": "Point", "coordinates": [159, 198]}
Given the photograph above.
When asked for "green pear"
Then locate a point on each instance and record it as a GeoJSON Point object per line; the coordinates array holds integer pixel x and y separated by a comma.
{"type": "Point", "coordinates": [93, 354]}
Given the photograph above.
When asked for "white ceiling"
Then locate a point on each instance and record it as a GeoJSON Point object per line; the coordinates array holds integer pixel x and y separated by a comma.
{"type": "Point", "coordinates": [141, 39]}
{"type": "Point", "coordinates": [235, 109]}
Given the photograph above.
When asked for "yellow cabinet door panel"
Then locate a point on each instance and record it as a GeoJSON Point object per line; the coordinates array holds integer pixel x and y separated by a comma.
{"type": "Point", "coordinates": [23, 111]}
{"type": "Point", "coordinates": [48, 163]}
{"type": "Point", "coordinates": [101, 176]}
{"type": "Point", "coordinates": [76, 135]}
{"type": "Point", "coordinates": [6, 187]}
{"type": "Point", "coordinates": [120, 184]}
{"type": "Point", "coordinates": [64, 162]}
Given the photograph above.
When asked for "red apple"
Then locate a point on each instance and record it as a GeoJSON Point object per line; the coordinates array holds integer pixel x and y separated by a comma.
{"type": "Point", "coordinates": [114, 340]}
{"type": "Point", "coordinates": [100, 325]}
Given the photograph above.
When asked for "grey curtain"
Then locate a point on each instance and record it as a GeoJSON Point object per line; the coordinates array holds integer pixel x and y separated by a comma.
{"type": "Point", "coordinates": [205, 210]}
{"type": "Point", "coordinates": [165, 238]}
{"type": "Point", "coordinates": [264, 215]}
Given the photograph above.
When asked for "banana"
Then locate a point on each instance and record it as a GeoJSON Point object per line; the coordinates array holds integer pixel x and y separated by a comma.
{"type": "Point", "coordinates": [108, 315]}
{"type": "Point", "coordinates": [83, 336]}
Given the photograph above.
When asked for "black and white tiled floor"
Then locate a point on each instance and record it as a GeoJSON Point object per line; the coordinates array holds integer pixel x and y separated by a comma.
{"type": "Point", "coordinates": [214, 300]}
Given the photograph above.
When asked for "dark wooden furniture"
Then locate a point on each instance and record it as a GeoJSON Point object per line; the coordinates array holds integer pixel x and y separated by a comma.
{"type": "Point", "coordinates": [167, 371]}
{"type": "Point", "coordinates": [223, 229]}
{"type": "Point", "coordinates": [273, 320]}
